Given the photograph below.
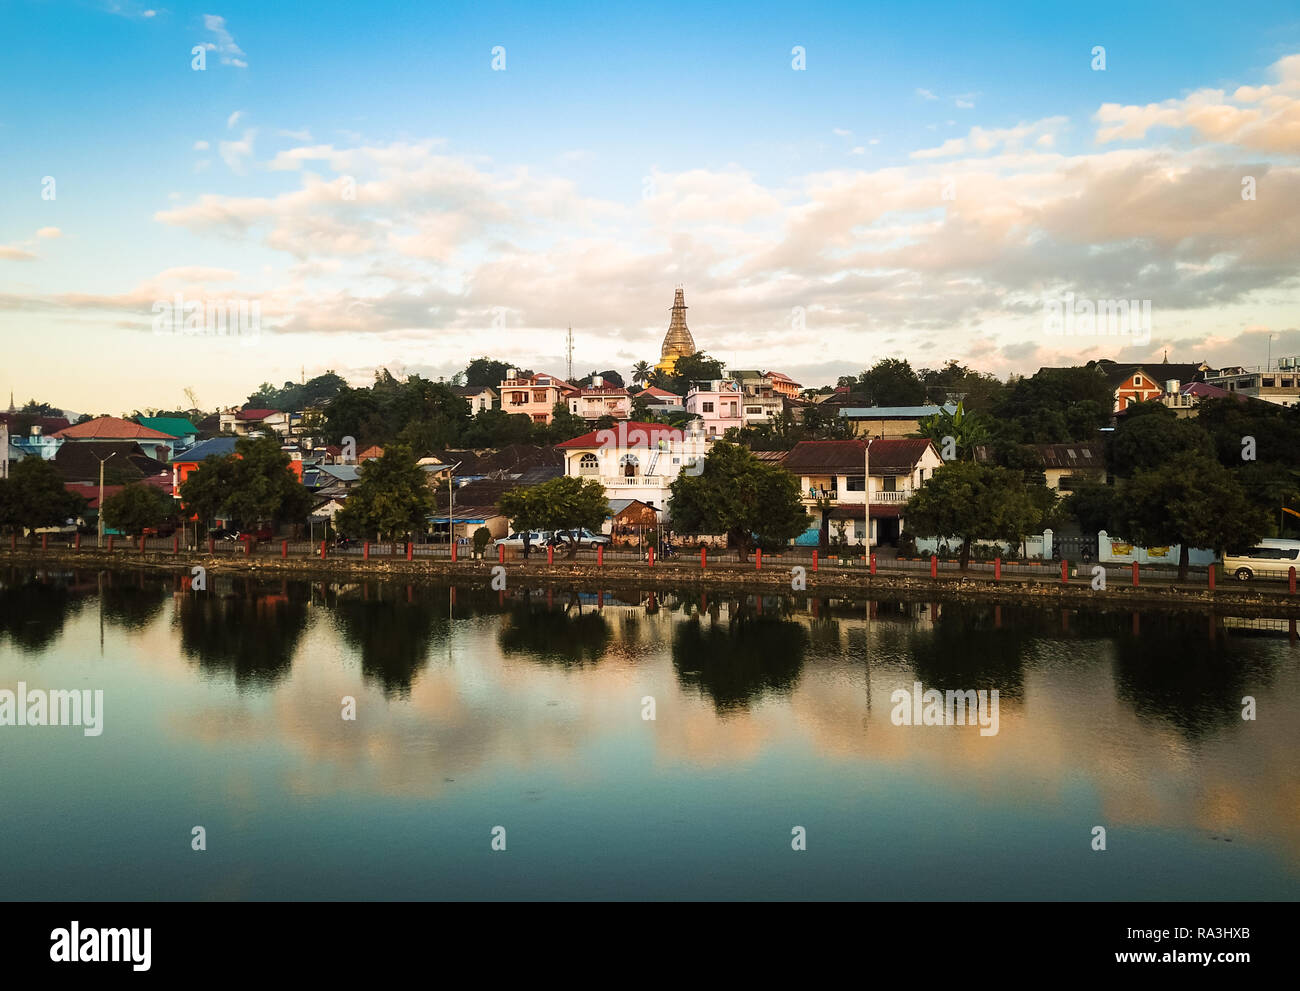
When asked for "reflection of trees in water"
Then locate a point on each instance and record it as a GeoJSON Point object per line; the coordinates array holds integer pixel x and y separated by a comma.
{"type": "Point", "coordinates": [736, 663]}
{"type": "Point", "coordinates": [1173, 672]}
{"type": "Point", "coordinates": [392, 635]}
{"type": "Point", "coordinates": [32, 610]}
{"type": "Point", "coordinates": [132, 602]}
{"type": "Point", "coordinates": [965, 649]}
{"type": "Point", "coordinates": [567, 634]}
{"type": "Point", "coordinates": [250, 635]}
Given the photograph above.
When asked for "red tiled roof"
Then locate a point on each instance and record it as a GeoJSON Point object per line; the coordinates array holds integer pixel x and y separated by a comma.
{"type": "Point", "coordinates": [111, 427]}
{"type": "Point", "coordinates": [778, 377]}
{"type": "Point", "coordinates": [91, 492]}
{"type": "Point", "coordinates": [825, 455]}
{"type": "Point", "coordinates": [657, 393]}
{"type": "Point", "coordinates": [255, 414]}
{"type": "Point", "coordinates": [628, 433]}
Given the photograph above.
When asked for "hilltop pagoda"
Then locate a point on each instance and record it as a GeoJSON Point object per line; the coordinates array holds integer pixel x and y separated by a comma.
{"type": "Point", "coordinates": [678, 342]}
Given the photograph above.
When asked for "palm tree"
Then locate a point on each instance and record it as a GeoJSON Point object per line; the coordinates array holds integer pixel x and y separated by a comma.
{"type": "Point", "coordinates": [640, 372]}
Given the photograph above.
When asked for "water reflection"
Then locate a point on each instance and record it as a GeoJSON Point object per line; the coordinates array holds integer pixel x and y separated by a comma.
{"type": "Point", "coordinates": [243, 629]}
{"type": "Point", "coordinates": [393, 632]}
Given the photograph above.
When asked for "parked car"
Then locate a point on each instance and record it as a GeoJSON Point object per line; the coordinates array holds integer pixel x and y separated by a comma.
{"type": "Point", "coordinates": [1272, 557]}
{"type": "Point", "coordinates": [584, 537]}
{"type": "Point", "coordinates": [222, 533]}
{"type": "Point", "coordinates": [536, 538]}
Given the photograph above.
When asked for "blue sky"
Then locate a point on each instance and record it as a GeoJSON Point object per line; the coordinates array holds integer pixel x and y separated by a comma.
{"type": "Point", "coordinates": [621, 152]}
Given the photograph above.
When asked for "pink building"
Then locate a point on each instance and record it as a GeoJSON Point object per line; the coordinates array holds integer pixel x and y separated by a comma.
{"type": "Point", "coordinates": [534, 395]}
{"type": "Point", "coordinates": [718, 404]}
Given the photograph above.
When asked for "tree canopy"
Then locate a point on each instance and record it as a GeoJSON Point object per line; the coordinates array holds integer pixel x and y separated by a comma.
{"type": "Point", "coordinates": [564, 503]}
{"type": "Point", "coordinates": [248, 487]}
{"type": "Point", "coordinates": [970, 501]}
{"type": "Point", "coordinates": [392, 497]}
{"type": "Point", "coordinates": [740, 496]}
{"type": "Point", "coordinates": [34, 496]}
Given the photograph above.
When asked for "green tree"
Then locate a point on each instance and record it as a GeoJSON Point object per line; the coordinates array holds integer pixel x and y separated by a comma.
{"type": "Point", "coordinates": [136, 507]}
{"type": "Point", "coordinates": [892, 382]}
{"type": "Point", "coordinates": [967, 430]}
{"type": "Point", "coordinates": [485, 372]}
{"type": "Point", "coordinates": [640, 372]}
{"type": "Point", "coordinates": [740, 496]}
{"type": "Point", "coordinates": [34, 496]}
{"type": "Point", "coordinates": [564, 425]}
{"type": "Point", "coordinates": [562, 504]}
{"type": "Point", "coordinates": [1152, 439]}
{"type": "Point", "coordinates": [970, 502]}
{"type": "Point", "coordinates": [1092, 506]}
{"type": "Point", "coordinates": [1191, 500]}
{"type": "Point", "coordinates": [251, 486]}
{"type": "Point", "coordinates": [392, 497]}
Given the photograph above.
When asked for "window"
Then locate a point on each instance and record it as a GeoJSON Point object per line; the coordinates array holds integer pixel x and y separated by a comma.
{"type": "Point", "coordinates": [707, 407]}
{"type": "Point", "coordinates": [889, 484]}
{"type": "Point", "coordinates": [853, 484]}
{"type": "Point", "coordinates": [588, 465]}
{"type": "Point", "coordinates": [1137, 379]}
{"type": "Point", "coordinates": [629, 464]}
{"type": "Point", "coordinates": [1268, 383]}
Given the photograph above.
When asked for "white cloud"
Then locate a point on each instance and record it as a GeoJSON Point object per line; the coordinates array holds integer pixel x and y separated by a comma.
{"type": "Point", "coordinates": [201, 146]}
{"type": "Point", "coordinates": [236, 153]}
{"type": "Point", "coordinates": [233, 119]}
{"type": "Point", "coordinates": [841, 132]}
{"type": "Point", "coordinates": [49, 232]}
{"type": "Point", "coordinates": [229, 53]}
{"type": "Point", "coordinates": [925, 94]}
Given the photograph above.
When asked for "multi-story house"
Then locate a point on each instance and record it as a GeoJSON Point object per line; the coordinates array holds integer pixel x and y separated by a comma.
{"type": "Point", "coordinates": [533, 395]}
{"type": "Point", "coordinates": [635, 460]}
{"type": "Point", "coordinates": [601, 399]}
{"type": "Point", "coordinates": [1066, 467]}
{"type": "Point", "coordinates": [717, 404]}
{"type": "Point", "coordinates": [784, 385]}
{"type": "Point", "coordinates": [258, 422]}
{"type": "Point", "coordinates": [479, 397]}
{"type": "Point", "coordinates": [154, 443]}
{"type": "Point", "coordinates": [1280, 385]}
{"type": "Point", "coordinates": [831, 477]}
{"type": "Point", "coordinates": [762, 403]}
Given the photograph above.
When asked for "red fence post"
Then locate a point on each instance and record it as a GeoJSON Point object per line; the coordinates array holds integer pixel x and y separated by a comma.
{"type": "Point", "coordinates": [322, 550]}
{"type": "Point", "coordinates": [501, 553]}
{"type": "Point", "coordinates": [142, 543]}
{"type": "Point", "coordinates": [758, 558]}
{"type": "Point", "coordinates": [1210, 573]}
{"type": "Point", "coordinates": [814, 560]}
{"type": "Point", "coordinates": [176, 543]}
{"type": "Point", "coordinates": [600, 555]}
{"type": "Point", "coordinates": [934, 566]}
{"type": "Point", "coordinates": [45, 541]}
{"type": "Point", "coordinates": [652, 556]}
{"type": "Point", "coordinates": [704, 557]}
{"type": "Point", "coordinates": [1290, 581]}
{"type": "Point", "coordinates": [1065, 571]}
{"type": "Point", "coordinates": [873, 562]}
{"type": "Point", "coordinates": [110, 542]}
{"type": "Point", "coordinates": [550, 554]}
{"type": "Point", "coordinates": [453, 552]}
{"type": "Point", "coordinates": [1135, 574]}
{"type": "Point", "coordinates": [13, 541]}
{"type": "Point", "coordinates": [78, 544]}
{"type": "Point", "coordinates": [410, 550]}
{"type": "Point", "coordinates": [365, 551]}
{"type": "Point", "coordinates": [997, 569]}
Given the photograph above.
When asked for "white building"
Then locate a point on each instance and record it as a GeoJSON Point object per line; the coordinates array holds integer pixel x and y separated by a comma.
{"type": "Point", "coordinates": [635, 460]}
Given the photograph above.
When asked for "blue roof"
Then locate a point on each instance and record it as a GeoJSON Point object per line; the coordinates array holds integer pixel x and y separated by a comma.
{"type": "Point", "coordinates": [895, 412]}
{"type": "Point", "coordinates": [217, 447]}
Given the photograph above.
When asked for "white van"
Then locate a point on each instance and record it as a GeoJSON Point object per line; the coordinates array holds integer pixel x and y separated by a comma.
{"type": "Point", "coordinates": [1272, 557]}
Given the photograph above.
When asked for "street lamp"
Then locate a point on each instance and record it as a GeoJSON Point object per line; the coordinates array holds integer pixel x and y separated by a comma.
{"type": "Point", "coordinates": [451, 505]}
{"type": "Point", "coordinates": [99, 539]}
{"type": "Point", "coordinates": [866, 491]}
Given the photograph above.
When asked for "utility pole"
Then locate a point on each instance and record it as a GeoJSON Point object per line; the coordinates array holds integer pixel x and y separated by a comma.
{"type": "Point", "coordinates": [568, 377]}
{"type": "Point", "coordinates": [451, 505]}
{"type": "Point", "coordinates": [99, 540]}
{"type": "Point", "coordinates": [866, 491]}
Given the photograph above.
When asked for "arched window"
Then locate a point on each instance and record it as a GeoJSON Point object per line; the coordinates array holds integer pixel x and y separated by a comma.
{"type": "Point", "coordinates": [588, 464]}
{"type": "Point", "coordinates": [630, 464]}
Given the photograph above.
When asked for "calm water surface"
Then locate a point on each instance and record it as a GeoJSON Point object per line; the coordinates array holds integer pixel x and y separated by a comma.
{"type": "Point", "coordinates": [477, 709]}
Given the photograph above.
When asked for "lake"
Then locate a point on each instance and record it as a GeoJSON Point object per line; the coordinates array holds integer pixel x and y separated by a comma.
{"type": "Point", "coordinates": [519, 718]}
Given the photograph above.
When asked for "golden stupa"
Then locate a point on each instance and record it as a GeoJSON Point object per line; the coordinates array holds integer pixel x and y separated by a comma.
{"type": "Point", "coordinates": [678, 342]}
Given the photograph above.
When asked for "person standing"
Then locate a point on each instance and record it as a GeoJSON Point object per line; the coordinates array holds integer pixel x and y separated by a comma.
{"type": "Point", "coordinates": [527, 543]}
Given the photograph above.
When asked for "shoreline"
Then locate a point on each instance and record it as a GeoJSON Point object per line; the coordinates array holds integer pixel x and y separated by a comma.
{"type": "Point", "coordinates": [773, 579]}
